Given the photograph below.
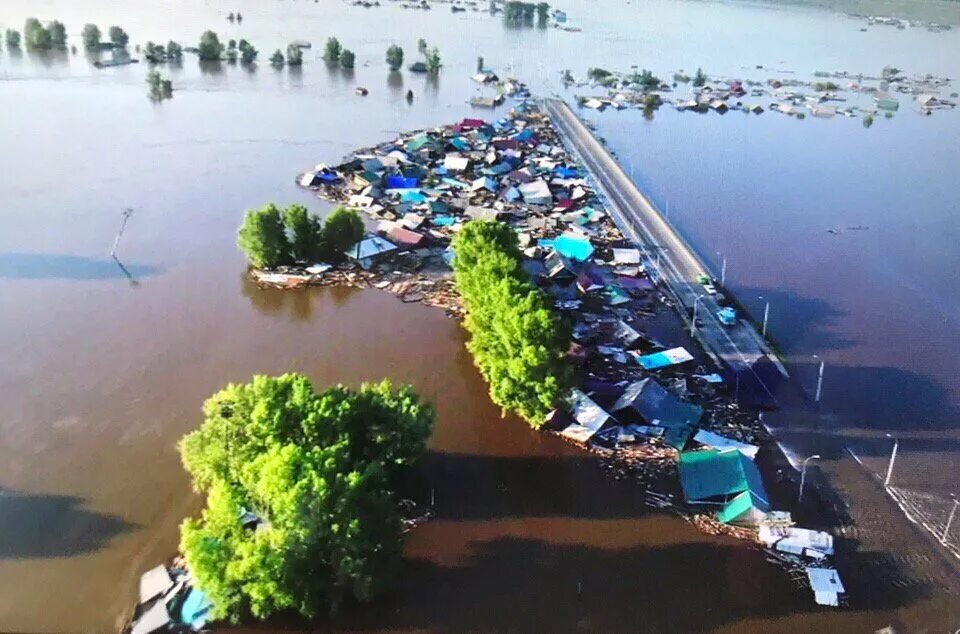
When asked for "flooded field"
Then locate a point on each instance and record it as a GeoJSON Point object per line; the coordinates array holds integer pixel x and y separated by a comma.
{"type": "Point", "coordinates": [104, 369]}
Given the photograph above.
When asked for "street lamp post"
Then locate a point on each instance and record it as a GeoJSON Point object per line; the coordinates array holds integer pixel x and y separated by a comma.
{"type": "Point", "coordinates": [946, 529]}
{"type": "Point", "coordinates": [893, 459]}
{"type": "Point", "coordinates": [819, 378]}
{"type": "Point", "coordinates": [803, 474]}
{"type": "Point", "coordinates": [693, 322]}
{"type": "Point", "coordinates": [766, 317]}
{"type": "Point", "coordinates": [723, 269]}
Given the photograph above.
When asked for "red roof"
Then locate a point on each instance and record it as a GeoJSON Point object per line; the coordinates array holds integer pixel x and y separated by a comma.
{"type": "Point", "coordinates": [471, 123]}
{"type": "Point", "coordinates": [406, 238]}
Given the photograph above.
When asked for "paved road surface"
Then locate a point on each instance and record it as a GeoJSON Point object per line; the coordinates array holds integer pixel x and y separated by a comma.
{"type": "Point", "coordinates": [736, 346]}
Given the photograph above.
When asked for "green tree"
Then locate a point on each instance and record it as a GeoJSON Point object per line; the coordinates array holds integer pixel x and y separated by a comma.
{"type": "Point", "coordinates": [35, 36]}
{"type": "Point", "coordinates": [699, 79]}
{"type": "Point", "coordinates": [543, 12]}
{"type": "Point", "coordinates": [248, 54]}
{"type": "Point", "coordinates": [210, 48]}
{"type": "Point", "coordinates": [599, 75]}
{"type": "Point", "coordinates": [319, 473]}
{"type": "Point", "coordinates": [277, 58]}
{"type": "Point", "coordinates": [91, 36]}
{"type": "Point", "coordinates": [294, 55]}
{"type": "Point", "coordinates": [342, 229]}
{"type": "Point", "coordinates": [118, 36]}
{"type": "Point", "coordinates": [433, 61]}
{"type": "Point", "coordinates": [232, 53]}
{"type": "Point", "coordinates": [347, 58]}
{"type": "Point", "coordinates": [160, 87]}
{"type": "Point", "coordinates": [263, 238]}
{"type": "Point", "coordinates": [12, 37]}
{"type": "Point", "coordinates": [174, 51]}
{"type": "Point", "coordinates": [153, 53]}
{"type": "Point", "coordinates": [422, 46]}
{"type": "Point", "coordinates": [58, 35]}
{"type": "Point", "coordinates": [305, 233]}
{"type": "Point", "coordinates": [395, 57]}
{"type": "Point", "coordinates": [331, 51]}
{"type": "Point", "coordinates": [517, 341]}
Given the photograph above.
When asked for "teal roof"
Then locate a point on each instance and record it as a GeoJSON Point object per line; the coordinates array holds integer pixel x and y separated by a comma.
{"type": "Point", "coordinates": [714, 474]}
{"type": "Point", "coordinates": [741, 506]}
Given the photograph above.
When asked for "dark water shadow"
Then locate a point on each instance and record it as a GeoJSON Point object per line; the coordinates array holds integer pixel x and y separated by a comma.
{"type": "Point", "coordinates": [297, 303]}
{"type": "Point", "coordinates": [33, 526]}
{"type": "Point", "coordinates": [880, 398]}
{"type": "Point", "coordinates": [473, 487]}
{"type": "Point", "coordinates": [800, 325]}
{"type": "Point", "coordinates": [40, 266]}
{"type": "Point", "coordinates": [52, 57]}
{"type": "Point", "coordinates": [212, 67]}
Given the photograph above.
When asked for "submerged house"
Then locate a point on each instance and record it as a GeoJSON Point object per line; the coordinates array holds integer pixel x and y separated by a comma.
{"type": "Point", "coordinates": [648, 402]}
{"type": "Point", "coordinates": [719, 476]}
{"type": "Point", "coordinates": [370, 250]}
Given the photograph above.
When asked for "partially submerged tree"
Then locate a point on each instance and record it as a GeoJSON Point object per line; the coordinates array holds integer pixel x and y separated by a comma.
{"type": "Point", "coordinates": [277, 58]}
{"type": "Point", "coordinates": [91, 36]}
{"type": "Point", "coordinates": [58, 35]}
{"type": "Point", "coordinates": [699, 79]}
{"type": "Point", "coordinates": [422, 46]}
{"type": "Point", "coordinates": [154, 53]}
{"type": "Point", "coordinates": [263, 237]}
{"type": "Point", "coordinates": [347, 58]}
{"type": "Point", "coordinates": [174, 51]}
{"type": "Point", "coordinates": [210, 49]}
{"type": "Point", "coordinates": [294, 55]}
{"type": "Point", "coordinates": [518, 342]}
{"type": "Point", "coordinates": [331, 51]}
{"type": "Point", "coordinates": [395, 57]}
{"type": "Point", "coordinates": [248, 54]}
{"type": "Point", "coordinates": [35, 36]}
{"type": "Point", "coordinates": [343, 229]}
{"type": "Point", "coordinates": [12, 37]}
{"type": "Point", "coordinates": [433, 61]}
{"type": "Point", "coordinates": [160, 87]}
{"type": "Point", "coordinates": [118, 36]}
{"type": "Point", "coordinates": [305, 233]}
{"type": "Point", "coordinates": [302, 507]}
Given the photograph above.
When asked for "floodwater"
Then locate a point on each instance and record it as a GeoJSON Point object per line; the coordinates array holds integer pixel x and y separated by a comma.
{"type": "Point", "coordinates": [104, 367]}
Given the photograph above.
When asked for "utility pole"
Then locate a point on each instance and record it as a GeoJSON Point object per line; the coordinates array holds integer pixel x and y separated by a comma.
{"type": "Point", "coordinates": [803, 474]}
{"type": "Point", "coordinates": [946, 529]}
{"type": "Point", "coordinates": [693, 322]}
{"type": "Point", "coordinates": [723, 269]}
{"type": "Point", "coordinates": [819, 379]}
{"type": "Point", "coordinates": [123, 225]}
{"type": "Point", "coordinates": [766, 317]}
{"type": "Point", "coordinates": [893, 459]}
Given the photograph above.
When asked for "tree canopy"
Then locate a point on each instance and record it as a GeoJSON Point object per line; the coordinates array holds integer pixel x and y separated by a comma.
{"type": "Point", "coordinates": [12, 37]}
{"type": "Point", "coordinates": [395, 57]}
{"type": "Point", "coordinates": [347, 58]}
{"type": "Point", "coordinates": [118, 36]}
{"type": "Point", "coordinates": [302, 510]}
{"type": "Point", "coordinates": [210, 48]}
{"type": "Point", "coordinates": [263, 237]}
{"type": "Point", "coordinates": [277, 58]}
{"type": "Point", "coordinates": [91, 36]}
{"type": "Point", "coordinates": [516, 339]}
{"type": "Point", "coordinates": [700, 78]}
{"type": "Point", "coordinates": [35, 36]}
{"type": "Point", "coordinates": [294, 55]}
{"type": "Point", "coordinates": [331, 51]}
{"type": "Point", "coordinates": [248, 54]}
{"type": "Point", "coordinates": [433, 61]}
{"type": "Point", "coordinates": [272, 237]}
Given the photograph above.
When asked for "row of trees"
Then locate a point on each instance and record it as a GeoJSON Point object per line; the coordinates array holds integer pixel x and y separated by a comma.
{"type": "Point", "coordinates": [518, 342]}
{"type": "Point", "coordinates": [272, 237]}
{"type": "Point", "coordinates": [40, 38]}
{"type": "Point", "coordinates": [519, 13]}
{"type": "Point", "coordinates": [160, 86]}
{"type": "Point", "coordinates": [302, 507]}
{"type": "Point", "coordinates": [335, 53]}
{"type": "Point", "coordinates": [157, 53]}
{"type": "Point", "coordinates": [92, 37]}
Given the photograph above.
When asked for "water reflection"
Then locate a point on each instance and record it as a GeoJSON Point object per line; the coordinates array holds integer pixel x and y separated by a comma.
{"type": "Point", "coordinates": [395, 80]}
{"type": "Point", "coordinates": [296, 75]}
{"type": "Point", "coordinates": [38, 266]}
{"type": "Point", "coordinates": [49, 58]}
{"type": "Point", "coordinates": [34, 526]}
{"type": "Point", "coordinates": [211, 67]}
{"type": "Point", "coordinates": [298, 303]}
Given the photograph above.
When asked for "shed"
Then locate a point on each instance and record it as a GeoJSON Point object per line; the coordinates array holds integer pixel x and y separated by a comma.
{"type": "Point", "coordinates": [826, 586]}
{"type": "Point", "coordinates": [536, 193]}
{"type": "Point", "coordinates": [719, 475]}
{"type": "Point", "coordinates": [573, 246]}
{"type": "Point", "coordinates": [716, 441]}
{"type": "Point", "coordinates": [744, 510]}
{"type": "Point", "coordinates": [656, 360]}
{"type": "Point", "coordinates": [647, 401]}
{"type": "Point", "coordinates": [455, 162]}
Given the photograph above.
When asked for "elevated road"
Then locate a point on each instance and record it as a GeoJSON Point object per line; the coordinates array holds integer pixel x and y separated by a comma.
{"type": "Point", "coordinates": [665, 251]}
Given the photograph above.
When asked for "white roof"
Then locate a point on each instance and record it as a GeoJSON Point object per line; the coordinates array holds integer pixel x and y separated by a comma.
{"type": "Point", "coordinates": [536, 190]}
{"type": "Point", "coordinates": [578, 433]}
{"type": "Point", "coordinates": [826, 585]}
{"type": "Point", "coordinates": [359, 201]}
{"type": "Point", "coordinates": [717, 441]}
{"type": "Point", "coordinates": [455, 162]}
{"type": "Point", "coordinates": [799, 541]}
{"type": "Point", "coordinates": [626, 256]}
{"type": "Point", "coordinates": [586, 412]}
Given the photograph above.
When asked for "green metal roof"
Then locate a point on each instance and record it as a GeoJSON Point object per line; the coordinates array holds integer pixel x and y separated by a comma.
{"type": "Point", "coordinates": [740, 506]}
{"type": "Point", "coordinates": [716, 474]}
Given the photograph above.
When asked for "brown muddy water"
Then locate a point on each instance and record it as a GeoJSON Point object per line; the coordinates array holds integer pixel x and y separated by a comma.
{"type": "Point", "coordinates": [104, 368]}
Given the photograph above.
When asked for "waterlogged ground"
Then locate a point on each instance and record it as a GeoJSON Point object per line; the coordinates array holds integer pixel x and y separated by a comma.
{"type": "Point", "coordinates": [105, 369]}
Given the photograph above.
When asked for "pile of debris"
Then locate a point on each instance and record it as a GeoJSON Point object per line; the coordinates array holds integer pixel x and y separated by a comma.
{"type": "Point", "coordinates": [651, 407]}
{"type": "Point", "coordinates": [169, 602]}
